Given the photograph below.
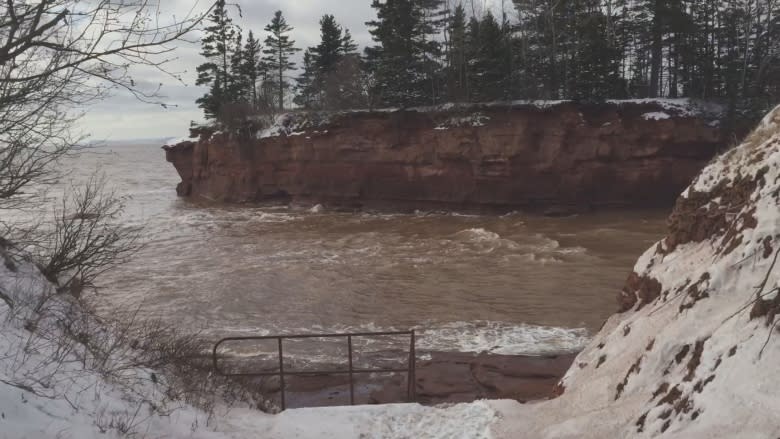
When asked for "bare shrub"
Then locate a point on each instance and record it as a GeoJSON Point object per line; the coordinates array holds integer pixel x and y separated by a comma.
{"type": "Point", "coordinates": [86, 238]}
{"type": "Point", "coordinates": [56, 55]}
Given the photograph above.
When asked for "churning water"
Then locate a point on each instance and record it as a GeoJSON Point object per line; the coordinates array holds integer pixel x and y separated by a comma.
{"type": "Point", "coordinates": [508, 284]}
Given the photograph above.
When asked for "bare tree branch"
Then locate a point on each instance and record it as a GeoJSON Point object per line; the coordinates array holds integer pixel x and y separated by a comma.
{"type": "Point", "coordinates": [58, 55]}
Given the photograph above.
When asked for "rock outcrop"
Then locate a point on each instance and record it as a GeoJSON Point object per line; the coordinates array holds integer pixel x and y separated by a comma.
{"type": "Point", "coordinates": [554, 156]}
{"type": "Point", "coordinates": [693, 353]}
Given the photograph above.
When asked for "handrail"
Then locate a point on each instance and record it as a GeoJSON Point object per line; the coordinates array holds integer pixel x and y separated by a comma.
{"type": "Point", "coordinates": [351, 371]}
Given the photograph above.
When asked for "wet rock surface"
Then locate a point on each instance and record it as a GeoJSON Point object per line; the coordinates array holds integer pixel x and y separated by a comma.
{"type": "Point", "coordinates": [443, 377]}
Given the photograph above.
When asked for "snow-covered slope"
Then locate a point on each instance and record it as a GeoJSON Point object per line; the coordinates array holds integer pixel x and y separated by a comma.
{"type": "Point", "coordinates": [694, 353]}
{"type": "Point", "coordinates": [51, 387]}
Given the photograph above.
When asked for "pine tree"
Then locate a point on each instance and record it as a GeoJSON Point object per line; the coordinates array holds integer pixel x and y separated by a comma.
{"type": "Point", "coordinates": [252, 69]}
{"type": "Point", "coordinates": [345, 83]}
{"type": "Point", "coordinates": [346, 86]}
{"type": "Point", "coordinates": [457, 62]}
{"type": "Point", "coordinates": [239, 86]}
{"type": "Point", "coordinates": [330, 78]}
{"type": "Point", "coordinates": [348, 45]}
{"type": "Point", "coordinates": [490, 70]}
{"type": "Point", "coordinates": [404, 62]}
{"type": "Point", "coordinates": [331, 47]}
{"type": "Point", "coordinates": [215, 72]}
{"type": "Point", "coordinates": [595, 53]}
{"type": "Point", "coordinates": [543, 44]}
{"type": "Point", "coordinates": [278, 50]}
{"type": "Point", "coordinates": [433, 21]}
{"type": "Point", "coordinates": [307, 93]}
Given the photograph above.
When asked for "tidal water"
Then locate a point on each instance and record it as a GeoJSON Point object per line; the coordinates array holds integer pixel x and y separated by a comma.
{"type": "Point", "coordinates": [515, 283]}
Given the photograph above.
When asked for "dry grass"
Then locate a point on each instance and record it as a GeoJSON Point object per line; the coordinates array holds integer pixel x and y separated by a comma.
{"type": "Point", "coordinates": [768, 128]}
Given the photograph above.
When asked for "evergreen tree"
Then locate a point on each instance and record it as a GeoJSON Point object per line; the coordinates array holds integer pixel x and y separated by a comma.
{"type": "Point", "coordinates": [348, 45]}
{"type": "Point", "coordinates": [404, 62]}
{"type": "Point", "coordinates": [330, 77]}
{"type": "Point", "coordinates": [457, 61]}
{"type": "Point", "coordinates": [217, 46]}
{"type": "Point", "coordinates": [331, 47]}
{"type": "Point", "coordinates": [252, 69]}
{"type": "Point", "coordinates": [278, 50]}
{"type": "Point", "coordinates": [490, 70]}
{"type": "Point", "coordinates": [556, 49]}
{"type": "Point", "coordinates": [239, 86]}
{"type": "Point", "coordinates": [307, 93]}
{"type": "Point", "coordinates": [596, 54]}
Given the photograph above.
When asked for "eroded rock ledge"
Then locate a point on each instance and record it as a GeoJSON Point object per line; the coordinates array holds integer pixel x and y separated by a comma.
{"type": "Point", "coordinates": [566, 155]}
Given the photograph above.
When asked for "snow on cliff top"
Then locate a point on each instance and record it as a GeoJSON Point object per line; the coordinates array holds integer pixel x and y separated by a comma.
{"type": "Point", "coordinates": [695, 353]}
{"type": "Point", "coordinates": [471, 114]}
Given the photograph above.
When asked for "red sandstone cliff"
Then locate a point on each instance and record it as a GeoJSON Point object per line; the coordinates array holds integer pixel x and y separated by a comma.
{"type": "Point", "coordinates": [521, 156]}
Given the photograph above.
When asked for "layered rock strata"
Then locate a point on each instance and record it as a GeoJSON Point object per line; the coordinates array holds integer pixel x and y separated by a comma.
{"type": "Point", "coordinates": [522, 155]}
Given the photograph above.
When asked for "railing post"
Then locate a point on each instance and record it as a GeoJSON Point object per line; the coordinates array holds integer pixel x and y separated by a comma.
{"type": "Point", "coordinates": [214, 359]}
{"type": "Point", "coordinates": [281, 373]}
{"type": "Point", "coordinates": [351, 375]}
{"type": "Point", "coordinates": [411, 390]}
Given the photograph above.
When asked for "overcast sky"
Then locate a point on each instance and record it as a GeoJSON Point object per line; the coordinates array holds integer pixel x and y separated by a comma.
{"type": "Point", "coordinates": [124, 117]}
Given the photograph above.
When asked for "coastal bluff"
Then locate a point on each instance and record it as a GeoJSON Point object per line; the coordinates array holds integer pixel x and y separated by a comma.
{"type": "Point", "coordinates": [550, 156]}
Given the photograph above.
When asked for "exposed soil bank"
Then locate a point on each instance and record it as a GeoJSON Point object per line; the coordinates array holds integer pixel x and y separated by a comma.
{"type": "Point", "coordinates": [446, 377]}
{"type": "Point", "coordinates": [556, 158]}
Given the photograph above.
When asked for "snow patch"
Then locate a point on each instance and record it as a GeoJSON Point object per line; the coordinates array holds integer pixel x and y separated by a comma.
{"type": "Point", "coordinates": [477, 119]}
{"type": "Point", "coordinates": [658, 115]}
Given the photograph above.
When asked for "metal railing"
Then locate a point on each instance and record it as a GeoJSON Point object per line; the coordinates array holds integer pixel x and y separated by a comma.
{"type": "Point", "coordinates": [351, 371]}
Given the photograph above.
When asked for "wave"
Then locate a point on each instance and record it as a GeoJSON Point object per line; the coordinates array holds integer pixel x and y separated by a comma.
{"type": "Point", "coordinates": [478, 235]}
{"type": "Point", "coordinates": [539, 248]}
{"type": "Point", "coordinates": [274, 218]}
{"type": "Point", "coordinates": [503, 338]}
{"type": "Point", "coordinates": [468, 337]}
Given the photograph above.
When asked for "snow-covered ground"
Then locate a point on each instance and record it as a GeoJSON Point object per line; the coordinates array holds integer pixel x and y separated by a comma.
{"type": "Point", "coordinates": [693, 355]}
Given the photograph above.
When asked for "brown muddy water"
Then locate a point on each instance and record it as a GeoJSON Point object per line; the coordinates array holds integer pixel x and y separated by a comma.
{"type": "Point", "coordinates": [505, 284]}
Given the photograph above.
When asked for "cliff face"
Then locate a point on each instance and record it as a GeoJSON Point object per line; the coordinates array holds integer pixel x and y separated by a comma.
{"type": "Point", "coordinates": [626, 154]}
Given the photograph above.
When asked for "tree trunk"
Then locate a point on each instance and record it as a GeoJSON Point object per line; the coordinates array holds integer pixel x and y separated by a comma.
{"type": "Point", "coordinates": [281, 80]}
{"type": "Point", "coordinates": [656, 54]}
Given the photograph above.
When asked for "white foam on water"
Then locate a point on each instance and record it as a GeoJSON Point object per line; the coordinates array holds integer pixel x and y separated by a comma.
{"type": "Point", "coordinates": [541, 249]}
{"type": "Point", "coordinates": [502, 338]}
{"type": "Point", "coordinates": [573, 250]}
{"type": "Point", "coordinates": [485, 239]}
{"type": "Point", "coordinates": [531, 257]}
{"type": "Point", "coordinates": [478, 235]}
{"type": "Point", "coordinates": [547, 244]}
{"type": "Point", "coordinates": [470, 337]}
{"type": "Point", "coordinates": [269, 217]}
